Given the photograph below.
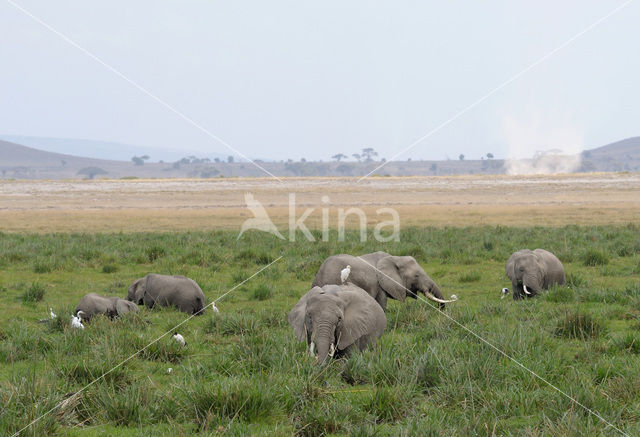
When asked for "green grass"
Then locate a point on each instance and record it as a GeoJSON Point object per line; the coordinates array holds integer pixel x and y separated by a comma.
{"type": "Point", "coordinates": [244, 372]}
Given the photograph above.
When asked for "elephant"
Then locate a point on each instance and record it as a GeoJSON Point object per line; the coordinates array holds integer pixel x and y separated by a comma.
{"type": "Point", "coordinates": [531, 272]}
{"type": "Point", "coordinates": [381, 275]}
{"type": "Point", "coordinates": [92, 304]}
{"type": "Point", "coordinates": [179, 291]}
{"type": "Point", "coordinates": [337, 319]}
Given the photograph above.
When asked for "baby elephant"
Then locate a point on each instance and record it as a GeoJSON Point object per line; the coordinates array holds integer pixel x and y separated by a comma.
{"type": "Point", "coordinates": [531, 272]}
{"type": "Point", "coordinates": [92, 304]}
{"type": "Point", "coordinates": [337, 319]}
{"type": "Point", "coordinates": [178, 291]}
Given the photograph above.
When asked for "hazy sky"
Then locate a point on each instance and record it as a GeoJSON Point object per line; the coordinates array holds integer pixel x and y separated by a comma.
{"type": "Point", "coordinates": [298, 79]}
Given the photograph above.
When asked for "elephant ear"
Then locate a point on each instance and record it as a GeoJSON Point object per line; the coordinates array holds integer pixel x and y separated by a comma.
{"type": "Point", "coordinates": [361, 315]}
{"type": "Point", "coordinates": [298, 313]}
{"type": "Point", "coordinates": [510, 268]}
{"type": "Point", "coordinates": [389, 278]}
{"type": "Point", "coordinates": [136, 290]}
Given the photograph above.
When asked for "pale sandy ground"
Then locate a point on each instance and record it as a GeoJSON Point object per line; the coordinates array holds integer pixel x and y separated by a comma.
{"type": "Point", "coordinates": [167, 205]}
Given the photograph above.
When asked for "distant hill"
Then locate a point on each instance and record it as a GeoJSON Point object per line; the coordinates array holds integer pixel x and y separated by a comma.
{"type": "Point", "coordinates": [104, 149]}
{"type": "Point", "coordinates": [622, 155]}
{"type": "Point", "coordinates": [22, 162]}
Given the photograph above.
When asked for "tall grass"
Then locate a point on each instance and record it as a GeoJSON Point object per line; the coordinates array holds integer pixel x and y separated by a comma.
{"type": "Point", "coordinates": [245, 373]}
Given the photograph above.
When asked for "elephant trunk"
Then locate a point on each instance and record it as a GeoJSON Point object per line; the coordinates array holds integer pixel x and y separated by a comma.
{"type": "Point", "coordinates": [324, 340]}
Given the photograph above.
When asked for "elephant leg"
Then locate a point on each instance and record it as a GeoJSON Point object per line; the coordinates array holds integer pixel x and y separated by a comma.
{"type": "Point", "coordinates": [381, 298]}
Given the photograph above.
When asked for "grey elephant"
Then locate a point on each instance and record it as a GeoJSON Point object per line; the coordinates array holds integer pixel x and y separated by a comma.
{"type": "Point", "coordinates": [178, 291]}
{"type": "Point", "coordinates": [337, 319]}
{"type": "Point", "coordinates": [92, 304]}
{"type": "Point", "coordinates": [532, 271]}
{"type": "Point", "coordinates": [381, 275]}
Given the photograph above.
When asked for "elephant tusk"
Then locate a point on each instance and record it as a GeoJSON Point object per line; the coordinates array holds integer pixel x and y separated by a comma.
{"type": "Point", "coordinates": [435, 299]}
{"type": "Point", "coordinates": [332, 350]}
{"type": "Point", "coordinates": [312, 346]}
{"type": "Point", "coordinates": [524, 287]}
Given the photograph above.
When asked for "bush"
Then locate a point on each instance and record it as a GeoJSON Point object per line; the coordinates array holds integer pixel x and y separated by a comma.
{"type": "Point", "coordinates": [155, 252]}
{"type": "Point", "coordinates": [34, 293]}
{"type": "Point", "coordinates": [560, 294]}
{"type": "Point", "coordinates": [594, 257]}
{"type": "Point", "coordinates": [263, 292]}
{"type": "Point", "coordinates": [579, 325]}
{"type": "Point", "coordinates": [109, 268]}
{"type": "Point", "coordinates": [42, 266]}
{"type": "Point", "coordinates": [469, 277]}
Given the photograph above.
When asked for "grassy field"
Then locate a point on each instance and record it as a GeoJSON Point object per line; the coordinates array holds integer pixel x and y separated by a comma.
{"type": "Point", "coordinates": [244, 372]}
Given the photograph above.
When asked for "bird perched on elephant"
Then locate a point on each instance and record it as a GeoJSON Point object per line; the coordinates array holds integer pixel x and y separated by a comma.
{"type": "Point", "coordinates": [178, 291]}
{"type": "Point", "coordinates": [532, 271]}
{"type": "Point", "coordinates": [381, 275]}
{"type": "Point", "coordinates": [92, 304]}
{"type": "Point", "coordinates": [337, 319]}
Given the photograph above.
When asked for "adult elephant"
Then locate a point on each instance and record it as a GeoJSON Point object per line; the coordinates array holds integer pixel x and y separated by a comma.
{"type": "Point", "coordinates": [92, 304]}
{"type": "Point", "coordinates": [178, 291]}
{"type": "Point", "coordinates": [381, 275]}
{"type": "Point", "coordinates": [337, 319]}
{"type": "Point", "coordinates": [532, 271]}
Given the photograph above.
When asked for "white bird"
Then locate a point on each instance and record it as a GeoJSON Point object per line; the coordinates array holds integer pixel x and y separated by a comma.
{"type": "Point", "coordinates": [453, 297]}
{"type": "Point", "coordinates": [76, 321]}
{"type": "Point", "coordinates": [169, 370]}
{"type": "Point", "coordinates": [180, 339]}
{"type": "Point", "coordinates": [344, 273]}
{"type": "Point", "coordinates": [214, 307]}
{"type": "Point", "coordinates": [52, 314]}
{"type": "Point", "coordinates": [505, 291]}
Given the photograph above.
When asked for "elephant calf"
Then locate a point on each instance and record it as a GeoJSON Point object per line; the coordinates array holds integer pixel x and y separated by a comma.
{"type": "Point", "coordinates": [178, 291]}
{"type": "Point", "coordinates": [92, 304]}
{"type": "Point", "coordinates": [531, 272]}
{"type": "Point", "coordinates": [337, 319]}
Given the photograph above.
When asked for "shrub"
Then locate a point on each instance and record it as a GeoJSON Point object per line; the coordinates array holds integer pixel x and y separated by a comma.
{"type": "Point", "coordinates": [560, 294]}
{"type": "Point", "coordinates": [42, 266]}
{"type": "Point", "coordinates": [579, 325]}
{"type": "Point", "coordinates": [594, 257]}
{"type": "Point", "coordinates": [469, 277]}
{"type": "Point", "coordinates": [109, 268]}
{"type": "Point", "coordinates": [34, 293]}
{"type": "Point", "coordinates": [263, 292]}
{"type": "Point", "coordinates": [575, 280]}
{"type": "Point", "coordinates": [629, 342]}
{"type": "Point", "coordinates": [155, 252]}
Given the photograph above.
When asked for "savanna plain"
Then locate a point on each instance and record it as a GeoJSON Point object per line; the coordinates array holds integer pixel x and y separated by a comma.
{"type": "Point", "coordinates": [244, 372]}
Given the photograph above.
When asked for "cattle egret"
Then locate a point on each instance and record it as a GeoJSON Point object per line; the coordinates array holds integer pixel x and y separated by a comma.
{"type": "Point", "coordinates": [453, 297]}
{"type": "Point", "coordinates": [344, 273]}
{"type": "Point", "coordinates": [169, 370]}
{"type": "Point", "coordinates": [214, 307]}
{"type": "Point", "coordinates": [180, 339]}
{"type": "Point", "coordinates": [52, 314]}
{"type": "Point", "coordinates": [505, 291]}
{"type": "Point", "coordinates": [76, 321]}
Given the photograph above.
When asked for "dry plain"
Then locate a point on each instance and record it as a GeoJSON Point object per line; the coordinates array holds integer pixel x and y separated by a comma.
{"type": "Point", "coordinates": [207, 204]}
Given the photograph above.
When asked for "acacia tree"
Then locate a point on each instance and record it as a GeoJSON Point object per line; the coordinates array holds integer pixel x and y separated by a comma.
{"type": "Point", "coordinates": [368, 153]}
{"type": "Point", "coordinates": [139, 160]}
{"type": "Point", "coordinates": [490, 155]}
{"type": "Point", "coordinates": [338, 156]}
{"type": "Point", "coordinates": [461, 157]}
